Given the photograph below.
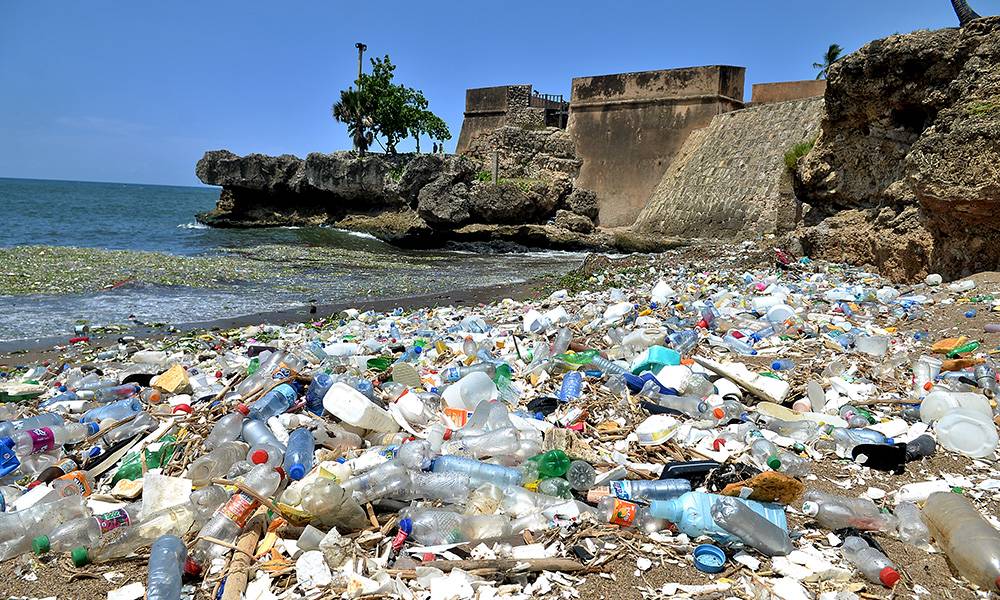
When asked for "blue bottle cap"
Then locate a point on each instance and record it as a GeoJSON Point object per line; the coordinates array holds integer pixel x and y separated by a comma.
{"type": "Point", "coordinates": [709, 558]}
{"type": "Point", "coordinates": [297, 471]}
{"type": "Point", "coordinates": [93, 427]}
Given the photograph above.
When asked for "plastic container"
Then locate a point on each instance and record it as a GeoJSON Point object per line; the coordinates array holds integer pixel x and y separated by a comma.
{"type": "Point", "coordinates": [114, 411]}
{"type": "Point", "coordinates": [439, 526]}
{"type": "Point", "coordinates": [273, 403]}
{"type": "Point", "coordinates": [656, 429]}
{"type": "Point", "coordinates": [692, 514]}
{"type": "Point", "coordinates": [45, 439]}
{"type": "Point", "coordinates": [262, 441]}
{"type": "Point", "coordinates": [227, 428]}
{"type": "Point", "coordinates": [9, 428]}
{"type": "Point", "coordinates": [751, 528]}
{"type": "Point", "coordinates": [837, 512]}
{"type": "Point", "coordinates": [920, 491]}
{"type": "Point", "coordinates": [571, 387]}
{"type": "Point", "coordinates": [166, 557]}
{"type": "Point", "coordinates": [469, 391]}
{"type": "Point", "coordinates": [970, 542]}
{"type": "Point", "coordinates": [85, 531]}
{"type": "Point", "coordinates": [352, 407]}
{"type": "Point", "coordinates": [911, 527]}
{"type": "Point", "coordinates": [480, 472]}
{"type": "Point", "coordinates": [216, 463]}
{"type": "Point", "coordinates": [317, 389]}
{"type": "Point", "coordinates": [968, 432]}
{"type": "Point", "coordinates": [874, 565]}
{"type": "Point", "coordinates": [299, 456]}
{"type": "Point", "coordinates": [553, 463]}
{"type": "Point", "coordinates": [174, 520]}
{"type": "Point", "coordinates": [646, 491]}
{"type": "Point", "coordinates": [332, 504]}
{"type": "Point", "coordinates": [939, 402]}
{"type": "Point", "coordinates": [628, 515]}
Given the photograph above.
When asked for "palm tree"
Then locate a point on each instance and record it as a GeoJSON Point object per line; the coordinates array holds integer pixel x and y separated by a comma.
{"type": "Point", "coordinates": [832, 55]}
{"type": "Point", "coordinates": [964, 11]}
{"type": "Point", "coordinates": [350, 110]}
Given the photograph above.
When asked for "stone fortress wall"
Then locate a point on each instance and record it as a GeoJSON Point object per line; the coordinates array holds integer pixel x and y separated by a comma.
{"type": "Point", "coordinates": [628, 130]}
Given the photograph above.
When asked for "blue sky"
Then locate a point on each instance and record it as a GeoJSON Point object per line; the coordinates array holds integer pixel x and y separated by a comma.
{"type": "Point", "coordinates": [137, 91]}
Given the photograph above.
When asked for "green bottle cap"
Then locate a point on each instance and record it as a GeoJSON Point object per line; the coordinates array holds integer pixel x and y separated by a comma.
{"type": "Point", "coordinates": [79, 556]}
{"type": "Point", "coordinates": [40, 544]}
{"type": "Point", "coordinates": [774, 462]}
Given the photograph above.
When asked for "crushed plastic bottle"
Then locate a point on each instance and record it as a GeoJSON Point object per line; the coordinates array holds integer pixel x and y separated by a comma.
{"type": "Point", "coordinates": [751, 528]}
{"type": "Point", "coordinates": [837, 512]}
{"type": "Point", "coordinates": [873, 564]}
{"type": "Point", "coordinates": [166, 559]}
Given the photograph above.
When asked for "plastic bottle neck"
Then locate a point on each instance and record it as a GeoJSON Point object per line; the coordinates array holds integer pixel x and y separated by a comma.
{"type": "Point", "coordinates": [669, 510]}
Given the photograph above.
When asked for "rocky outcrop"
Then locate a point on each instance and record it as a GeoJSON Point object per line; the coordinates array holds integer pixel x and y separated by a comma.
{"type": "Point", "coordinates": [905, 174]}
{"type": "Point", "coordinates": [410, 200]}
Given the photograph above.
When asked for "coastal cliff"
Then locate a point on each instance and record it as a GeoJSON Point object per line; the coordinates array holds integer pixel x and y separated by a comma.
{"type": "Point", "coordinates": [905, 174]}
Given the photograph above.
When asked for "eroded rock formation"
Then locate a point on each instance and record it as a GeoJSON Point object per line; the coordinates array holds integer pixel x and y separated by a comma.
{"type": "Point", "coordinates": [905, 175]}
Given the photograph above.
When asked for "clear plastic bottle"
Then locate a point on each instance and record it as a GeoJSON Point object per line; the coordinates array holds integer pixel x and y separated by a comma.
{"type": "Point", "coordinates": [114, 411]}
{"type": "Point", "coordinates": [480, 472]}
{"type": "Point", "coordinates": [556, 487]}
{"type": "Point", "coordinates": [433, 526]}
{"type": "Point", "coordinates": [910, 525]}
{"type": "Point", "coordinates": [729, 410]}
{"type": "Point", "coordinates": [492, 443]}
{"type": "Point", "coordinates": [837, 512]}
{"type": "Point", "coordinates": [971, 543]}
{"type": "Point", "coordinates": [318, 388]}
{"type": "Point", "coordinates": [227, 428]}
{"type": "Point", "coordinates": [783, 364]}
{"type": "Point", "coordinates": [691, 406]}
{"type": "Point", "coordinates": [216, 463]}
{"type": "Point", "coordinates": [387, 479]}
{"type": "Point", "coordinates": [453, 374]}
{"type": "Point", "coordinates": [166, 557]}
{"type": "Point", "coordinates": [581, 475]}
{"type": "Point", "coordinates": [142, 422]}
{"type": "Point", "coordinates": [628, 515]}
{"type": "Point", "coordinates": [639, 490]}
{"type": "Point", "coordinates": [739, 345]}
{"type": "Point", "coordinates": [9, 428]}
{"type": "Point", "coordinates": [264, 445]}
{"type": "Point", "coordinates": [207, 500]}
{"type": "Point", "coordinates": [85, 531]}
{"type": "Point", "coordinates": [332, 504]}
{"type": "Point", "coordinates": [692, 514]}
{"type": "Point", "coordinates": [753, 529]}
{"type": "Point", "coordinates": [174, 520]}
{"type": "Point", "coordinates": [856, 418]}
{"type": "Point", "coordinates": [273, 403]}
{"type": "Point", "coordinates": [448, 487]}
{"type": "Point", "coordinates": [230, 519]}
{"type": "Point", "coordinates": [874, 565]}
{"type": "Point", "coordinates": [802, 431]}
{"type": "Point", "coordinates": [847, 439]}
{"type": "Point", "coordinates": [299, 456]}
{"type": "Point", "coordinates": [17, 527]}
{"type": "Point", "coordinates": [608, 367]}
{"type": "Point", "coordinates": [766, 454]}
{"type": "Point", "coordinates": [118, 392]}
{"type": "Point", "coordinates": [43, 439]}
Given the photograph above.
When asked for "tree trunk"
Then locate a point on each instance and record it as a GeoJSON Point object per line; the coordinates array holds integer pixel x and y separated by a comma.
{"type": "Point", "coordinates": [964, 12]}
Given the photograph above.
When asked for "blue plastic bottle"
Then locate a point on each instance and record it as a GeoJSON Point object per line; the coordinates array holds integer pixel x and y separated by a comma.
{"type": "Point", "coordinates": [299, 456]}
{"type": "Point", "coordinates": [273, 403]}
{"type": "Point", "coordinates": [692, 514]}
{"type": "Point", "coordinates": [115, 411]}
{"type": "Point", "coordinates": [320, 385]}
{"type": "Point", "coordinates": [572, 386]}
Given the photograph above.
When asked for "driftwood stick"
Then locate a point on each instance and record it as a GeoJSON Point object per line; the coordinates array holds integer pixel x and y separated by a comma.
{"type": "Point", "coordinates": [239, 568]}
{"type": "Point", "coordinates": [502, 564]}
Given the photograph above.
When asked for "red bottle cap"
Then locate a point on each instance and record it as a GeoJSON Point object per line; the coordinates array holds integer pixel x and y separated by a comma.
{"type": "Point", "coordinates": [184, 408]}
{"type": "Point", "coordinates": [888, 576]}
{"type": "Point", "coordinates": [243, 409]}
{"type": "Point", "coordinates": [718, 413]}
{"type": "Point", "coordinates": [718, 443]}
{"type": "Point", "coordinates": [192, 568]}
{"type": "Point", "coordinates": [258, 457]}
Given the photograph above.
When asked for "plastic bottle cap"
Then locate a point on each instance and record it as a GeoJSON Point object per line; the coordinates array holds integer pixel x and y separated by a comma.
{"type": "Point", "coordinates": [718, 413]}
{"type": "Point", "coordinates": [93, 428]}
{"type": "Point", "coordinates": [709, 558]}
{"type": "Point", "coordinates": [184, 408]}
{"type": "Point", "coordinates": [258, 457]}
{"type": "Point", "coordinates": [80, 557]}
{"type": "Point", "coordinates": [40, 544]}
{"type": "Point", "coordinates": [297, 471]}
{"type": "Point", "coordinates": [718, 443]}
{"type": "Point", "coordinates": [774, 462]}
{"type": "Point", "coordinates": [243, 409]}
{"type": "Point", "coordinates": [810, 509]}
{"type": "Point", "coordinates": [191, 567]}
{"type": "Point", "coordinates": [888, 576]}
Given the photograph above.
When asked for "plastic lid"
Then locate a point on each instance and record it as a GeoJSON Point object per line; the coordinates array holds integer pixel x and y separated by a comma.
{"type": "Point", "coordinates": [810, 509]}
{"type": "Point", "coordinates": [40, 545]}
{"type": "Point", "coordinates": [888, 576]}
{"type": "Point", "coordinates": [191, 567]}
{"type": "Point", "coordinates": [80, 557]}
{"type": "Point", "coordinates": [185, 408]}
{"type": "Point", "coordinates": [718, 443]}
{"type": "Point", "coordinates": [258, 457]}
{"type": "Point", "coordinates": [774, 462]}
{"type": "Point", "coordinates": [718, 413]}
{"type": "Point", "coordinates": [709, 558]}
{"type": "Point", "coordinates": [93, 428]}
{"type": "Point", "coordinates": [297, 471]}
{"type": "Point", "coordinates": [243, 409]}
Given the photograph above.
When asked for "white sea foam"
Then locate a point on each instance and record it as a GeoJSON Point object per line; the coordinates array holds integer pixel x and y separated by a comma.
{"type": "Point", "coordinates": [192, 225]}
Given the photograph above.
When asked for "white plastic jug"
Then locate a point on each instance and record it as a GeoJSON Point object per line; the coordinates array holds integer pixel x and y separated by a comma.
{"type": "Point", "coordinates": [469, 391]}
{"type": "Point", "coordinates": [779, 313]}
{"type": "Point", "coordinates": [351, 406]}
{"type": "Point", "coordinates": [940, 402]}
{"type": "Point", "coordinates": [967, 431]}
{"type": "Point", "coordinates": [761, 304]}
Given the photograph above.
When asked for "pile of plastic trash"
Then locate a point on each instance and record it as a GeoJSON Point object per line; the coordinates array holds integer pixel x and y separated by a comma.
{"type": "Point", "coordinates": [509, 450]}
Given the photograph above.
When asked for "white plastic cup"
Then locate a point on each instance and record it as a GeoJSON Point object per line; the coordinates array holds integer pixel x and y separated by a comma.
{"type": "Point", "coordinates": [469, 391]}
{"type": "Point", "coordinates": [352, 407]}
{"type": "Point", "coordinates": [779, 313]}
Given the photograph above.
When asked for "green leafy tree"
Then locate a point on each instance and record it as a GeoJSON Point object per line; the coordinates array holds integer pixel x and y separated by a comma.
{"type": "Point", "coordinates": [832, 55]}
{"type": "Point", "coordinates": [386, 112]}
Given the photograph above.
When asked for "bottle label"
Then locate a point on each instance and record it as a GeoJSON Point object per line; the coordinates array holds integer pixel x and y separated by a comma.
{"type": "Point", "coordinates": [74, 483]}
{"type": "Point", "coordinates": [283, 371]}
{"type": "Point", "coordinates": [622, 489]}
{"type": "Point", "coordinates": [623, 513]}
{"type": "Point", "coordinates": [113, 520]}
{"type": "Point", "coordinates": [239, 508]}
{"type": "Point", "coordinates": [42, 439]}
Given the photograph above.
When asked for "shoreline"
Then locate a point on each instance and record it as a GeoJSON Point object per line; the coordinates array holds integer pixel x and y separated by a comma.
{"type": "Point", "coordinates": [26, 350]}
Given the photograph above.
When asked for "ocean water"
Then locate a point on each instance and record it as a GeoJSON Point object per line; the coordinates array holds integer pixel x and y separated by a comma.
{"type": "Point", "coordinates": [298, 266]}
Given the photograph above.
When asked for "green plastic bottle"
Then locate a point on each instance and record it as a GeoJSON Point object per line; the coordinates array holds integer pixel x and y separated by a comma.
{"type": "Point", "coordinates": [963, 349]}
{"type": "Point", "coordinates": [131, 468]}
{"type": "Point", "coordinates": [379, 364]}
{"type": "Point", "coordinates": [553, 463]}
